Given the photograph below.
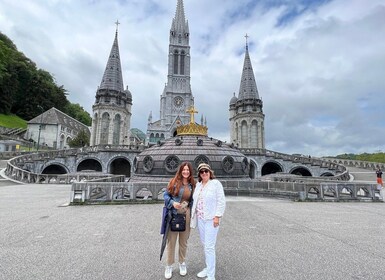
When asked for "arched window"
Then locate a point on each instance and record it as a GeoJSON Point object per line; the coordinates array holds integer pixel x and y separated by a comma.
{"type": "Point", "coordinates": [68, 141]}
{"type": "Point", "coordinates": [94, 130]}
{"type": "Point", "coordinates": [176, 62]}
{"type": "Point", "coordinates": [105, 125]}
{"type": "Point", "coordinates": [116, 134]}
{"type": "Point", "coordinates": [182, 60]}
{"type": "Point", "coordinates": [61, 141]}
{"type": "Point", "coordinates": [236, 132]}
{"type": "Point", "coordinates": [254, 134]}
{"type": "Point", "coordinates": [244, 140]}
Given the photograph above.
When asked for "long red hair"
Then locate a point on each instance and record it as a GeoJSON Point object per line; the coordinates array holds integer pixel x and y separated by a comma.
{"type": "Point", "coordinates": [175, 183]}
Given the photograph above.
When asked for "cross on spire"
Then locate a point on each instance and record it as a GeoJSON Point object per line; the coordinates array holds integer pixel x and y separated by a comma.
{"type": "Point", "coordinates": [247, 36]}
{"type": "Point", "coordinates": [117, 25]}
{"type": "Point", "coordinates": [191, 110]}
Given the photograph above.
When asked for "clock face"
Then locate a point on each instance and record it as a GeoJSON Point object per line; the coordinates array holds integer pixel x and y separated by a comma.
{"type": "Point", "coordinates": [178, 101]}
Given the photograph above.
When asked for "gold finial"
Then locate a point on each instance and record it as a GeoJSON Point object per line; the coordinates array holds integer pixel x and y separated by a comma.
{"type": "Point", "coordinates": [191, 110]}
{"type": "Point", "coordinates": [192, 128]}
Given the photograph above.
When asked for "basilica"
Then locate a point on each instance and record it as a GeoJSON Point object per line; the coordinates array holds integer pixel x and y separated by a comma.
{"type": "Point", "coordinates": [112, 108]}
{"type": "Point", "coordinates": [117, 167]}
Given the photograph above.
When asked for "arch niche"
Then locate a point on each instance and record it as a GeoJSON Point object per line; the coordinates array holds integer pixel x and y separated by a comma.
{"type": "Point", "coordinates": [270, 168]}
{"type": "Point", "coordinates": [54, 169]}
{"type": "Point", "coordinates": [120, 166]}
{"type": "Point", "coordinates": [302, 171]}
{"type": "Point", "coordinates": [89, 165]}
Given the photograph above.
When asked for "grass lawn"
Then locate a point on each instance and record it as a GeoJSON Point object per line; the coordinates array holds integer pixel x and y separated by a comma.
{"type": "Point", "coordinates": [12, 121]}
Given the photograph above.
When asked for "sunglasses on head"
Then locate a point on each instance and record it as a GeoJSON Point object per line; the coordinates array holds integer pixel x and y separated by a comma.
{"type": "Point", "coordinates": [204, 171]}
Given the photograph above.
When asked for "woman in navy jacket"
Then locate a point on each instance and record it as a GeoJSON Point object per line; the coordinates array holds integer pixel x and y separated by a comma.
{"type": "Point", "coordinates": [178, 199]}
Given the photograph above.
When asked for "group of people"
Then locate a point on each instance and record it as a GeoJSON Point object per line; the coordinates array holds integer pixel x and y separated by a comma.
{"type": "Point", "coordinates": [203, 204]}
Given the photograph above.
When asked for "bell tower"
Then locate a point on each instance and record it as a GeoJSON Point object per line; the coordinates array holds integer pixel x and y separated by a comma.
{"type": "Point", "coordinates": [112, 108]}
{"type": "Point", "coordinates": [246, 114]}
{"type": "Point", "coordinates": [177, 96]}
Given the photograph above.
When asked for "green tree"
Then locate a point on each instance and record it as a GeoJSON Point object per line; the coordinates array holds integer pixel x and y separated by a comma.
{"type": "Point", "coordinates": [375, 157]}
{"type": "Point", "coordinates": [6, 80]}
{"type": "Point", "coordinates": [77, 112]}
{"type": "Point", "coordinates": [23, 87]}
{"type": "Point", "coordinates": [81, 140]}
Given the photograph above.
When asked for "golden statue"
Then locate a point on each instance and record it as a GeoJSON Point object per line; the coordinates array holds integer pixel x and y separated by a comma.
{"type": "Point", "coordinates": [192, 128]}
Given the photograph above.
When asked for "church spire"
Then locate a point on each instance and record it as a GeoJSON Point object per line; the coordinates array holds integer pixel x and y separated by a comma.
{"type": "Point", "coordinates": [177, 95]}
{"type": "Point", "coordinates": [179, 33]}
{"type": "Point", "coordinates": [112, 78]}
{"type": "Point", "coordinates": [248, 87]}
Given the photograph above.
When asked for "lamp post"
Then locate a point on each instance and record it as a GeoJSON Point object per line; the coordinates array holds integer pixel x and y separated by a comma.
{"type": "Point", "coordinates": [41, 120]}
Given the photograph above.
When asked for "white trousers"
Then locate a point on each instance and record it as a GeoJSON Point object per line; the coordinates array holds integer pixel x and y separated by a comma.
{"type": "Point", "coordinates": [208, 235]}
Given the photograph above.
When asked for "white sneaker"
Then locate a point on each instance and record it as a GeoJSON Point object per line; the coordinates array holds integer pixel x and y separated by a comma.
{"type": "Point", "coordinates": [182, 269]}
{"type": "Point", "coordinates": [202, 274]}
{"type": "Point", "coordinates": [168, 272]}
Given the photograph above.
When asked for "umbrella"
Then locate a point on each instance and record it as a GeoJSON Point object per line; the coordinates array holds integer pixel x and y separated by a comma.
{"type": "Point", "coordinates": [165, 229]}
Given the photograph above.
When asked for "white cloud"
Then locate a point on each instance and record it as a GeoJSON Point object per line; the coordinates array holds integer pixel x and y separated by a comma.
{"type": "Point", "coordinates": [320, 75]}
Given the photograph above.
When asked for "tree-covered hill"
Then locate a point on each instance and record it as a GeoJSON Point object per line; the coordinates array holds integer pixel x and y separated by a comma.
{"type": "Point", "coordinates": [376, 157]}
{"type": "Point", "coordinates": [23, 86]}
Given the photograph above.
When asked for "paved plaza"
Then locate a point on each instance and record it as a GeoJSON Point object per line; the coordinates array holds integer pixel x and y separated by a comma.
{"type": "Point", "coordinates": [41, 237]}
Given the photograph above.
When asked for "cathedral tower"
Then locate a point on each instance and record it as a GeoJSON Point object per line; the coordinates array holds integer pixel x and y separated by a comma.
{"type": "Point", "coordinates": [246, 115]}
{"type": "Point", "coordinates": [177, 96]}
{"type": "Point", "coordinates": [112, 108]}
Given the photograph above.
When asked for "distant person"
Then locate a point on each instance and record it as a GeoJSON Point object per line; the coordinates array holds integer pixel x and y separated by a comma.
{"type": "Point", "coordinates": [208, 208]}
{"type": "Point", "coordinates": [380, 184]}
{"type": "Point", "coordinates": [178, 199]}
{"type": "Point", "coordinates": [379, 177]}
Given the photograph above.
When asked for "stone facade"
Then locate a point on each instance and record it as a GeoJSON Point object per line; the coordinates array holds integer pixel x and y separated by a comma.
{"type": "Point", "coordinates": [177, 96]}
{"type": "Point", "coordinates": [112, 109]}
{"type": "Point", "coordinates": [246, 114]}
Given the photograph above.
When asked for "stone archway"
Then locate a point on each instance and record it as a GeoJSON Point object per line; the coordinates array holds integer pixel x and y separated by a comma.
{"type": "Point", "coordinates": [54, 169]}
{"type": "Point", "coordinates": [327, 174]}
{"type": "Point", "coordinates": [270, 168]}
{"type": "Point", "coordinates": [89, 165]}
{"type": "Point", "coordinates": [302, 171]}
{"type": "Point", "coordinates": [252, 170]}
{"type": "Point", "coordinates": [120, 166]}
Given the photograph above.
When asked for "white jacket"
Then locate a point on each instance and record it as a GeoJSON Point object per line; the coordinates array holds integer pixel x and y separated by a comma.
{"type": "Point", "coordinates": [214, 201]}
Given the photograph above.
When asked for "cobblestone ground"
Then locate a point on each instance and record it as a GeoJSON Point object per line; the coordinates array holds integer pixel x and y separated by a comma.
{"type": "Point", "coordinates": [43, 238]}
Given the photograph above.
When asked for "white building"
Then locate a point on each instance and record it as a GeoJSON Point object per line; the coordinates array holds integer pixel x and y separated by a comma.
{"type": "Point", "coordinates": [9, 145]}
{"type": "Point", "coordinates": [56, 129]}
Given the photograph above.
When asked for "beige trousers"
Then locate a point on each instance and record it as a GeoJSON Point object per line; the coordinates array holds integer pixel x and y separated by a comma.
{"type": "Point", "coordinates": [183, 238]}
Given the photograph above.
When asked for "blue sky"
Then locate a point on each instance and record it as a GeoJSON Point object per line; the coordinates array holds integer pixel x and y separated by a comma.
{"type": "Point", "coordinates": [319, 65]}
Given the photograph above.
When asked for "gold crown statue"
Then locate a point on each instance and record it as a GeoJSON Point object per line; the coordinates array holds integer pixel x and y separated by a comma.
{"type": "Point", "coordinates": [192, 128]}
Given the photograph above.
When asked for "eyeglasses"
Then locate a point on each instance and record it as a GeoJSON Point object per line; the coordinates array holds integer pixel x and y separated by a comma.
{"type": "Point", "coordinates": [204, 171]}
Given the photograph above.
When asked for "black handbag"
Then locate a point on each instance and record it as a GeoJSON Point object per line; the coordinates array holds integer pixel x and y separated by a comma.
{"type": "Point", "coordinates": [178, 222]}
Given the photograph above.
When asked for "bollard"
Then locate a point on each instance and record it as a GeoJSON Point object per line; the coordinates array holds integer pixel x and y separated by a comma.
{"type": "Point", "coordinates": [301, 196]}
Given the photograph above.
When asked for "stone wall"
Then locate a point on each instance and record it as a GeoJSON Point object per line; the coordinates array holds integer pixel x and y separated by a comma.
{"type": "Point", "coordinates": [126, 192]}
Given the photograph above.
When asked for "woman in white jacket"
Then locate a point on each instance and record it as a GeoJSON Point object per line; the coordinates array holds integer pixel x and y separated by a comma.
{"type": "Point", "coordinates": [207, 210]}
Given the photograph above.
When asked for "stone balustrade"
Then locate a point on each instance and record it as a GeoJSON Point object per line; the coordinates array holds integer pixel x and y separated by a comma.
{"type": "Point", "coordinates": [14, 172]}
{"type": "Point", "coordinates": [116, 192]}
{"type": "Point", "coordinates": [133, 192]}
{"type": "Point", "coordinates": [357, 163]}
